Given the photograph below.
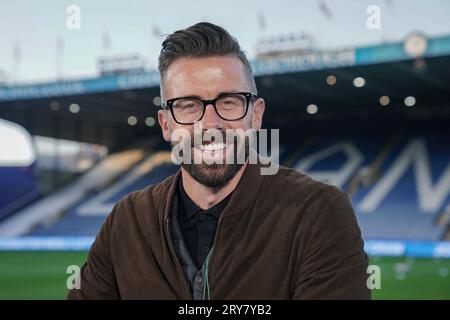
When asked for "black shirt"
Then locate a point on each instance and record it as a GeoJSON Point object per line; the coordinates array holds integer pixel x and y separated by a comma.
{"type": "Point", "coordinates": [198, 226]}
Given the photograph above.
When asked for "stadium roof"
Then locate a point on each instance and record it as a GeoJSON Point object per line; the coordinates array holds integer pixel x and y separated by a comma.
{"type": "Point", "coordinates": [101, 107]}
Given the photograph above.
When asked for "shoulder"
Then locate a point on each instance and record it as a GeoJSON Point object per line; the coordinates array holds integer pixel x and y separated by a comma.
{"type": "Point", "coordinates": [137, 213]}
{"type": "Point", "coordinates": [145, 202]}
{"type": "Point", "coordinates": [299, 197]}
{"type": "Point", "coordinates": [314, 207]}
{"type": "Point", "coordinates": [302, 187]}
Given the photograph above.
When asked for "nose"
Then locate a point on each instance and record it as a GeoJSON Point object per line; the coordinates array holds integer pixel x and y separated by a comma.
{"type": "Point", "coordinates": [211, 119]}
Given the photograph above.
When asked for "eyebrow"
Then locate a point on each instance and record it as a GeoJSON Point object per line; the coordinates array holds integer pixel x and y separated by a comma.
{"type": "Point", "coordinates": [218, 95]}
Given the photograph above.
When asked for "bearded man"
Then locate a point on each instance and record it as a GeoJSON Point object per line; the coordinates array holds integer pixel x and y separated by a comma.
{"type": "Point", "coordinates": [219, 228]}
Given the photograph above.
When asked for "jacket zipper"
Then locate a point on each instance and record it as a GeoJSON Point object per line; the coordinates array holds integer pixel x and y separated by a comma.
{"type": "Point", "coordinates": [172, 251]}
{"type": "Point", "coordinates": [212, 253]}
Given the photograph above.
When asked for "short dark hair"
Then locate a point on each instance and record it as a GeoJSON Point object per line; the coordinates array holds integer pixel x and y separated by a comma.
{"type": "Point", "coordinates": [203, 39]}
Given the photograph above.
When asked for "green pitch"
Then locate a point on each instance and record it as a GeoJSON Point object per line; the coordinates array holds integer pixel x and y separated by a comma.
{"type": "Point", "coordinates": [36, 275]}
{"type": "Point", "coordinates": [42, 275]}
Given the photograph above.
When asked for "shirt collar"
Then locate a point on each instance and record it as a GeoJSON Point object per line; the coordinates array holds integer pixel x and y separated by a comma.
{"type": "Point", "coordinates": [192, 209]}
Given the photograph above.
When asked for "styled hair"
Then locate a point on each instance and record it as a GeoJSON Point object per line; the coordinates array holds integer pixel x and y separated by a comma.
{"type": "Point", "coordinates": [203, 39]}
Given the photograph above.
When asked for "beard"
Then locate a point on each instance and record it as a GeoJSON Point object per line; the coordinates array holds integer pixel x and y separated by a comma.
{"type": "Point", "coordinates": [212, 175]}
{"type": "Point", "coordinates": [216, 175]}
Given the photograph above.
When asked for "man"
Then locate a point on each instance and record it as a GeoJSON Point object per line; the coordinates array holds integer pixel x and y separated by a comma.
{"type": "Point", "coordinates": [220, 230]}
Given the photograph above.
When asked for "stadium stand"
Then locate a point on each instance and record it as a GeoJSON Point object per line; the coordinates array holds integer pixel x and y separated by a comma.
{"type": "Point", "coordinates": [21, 190]}
{"type": "Point", "coordinates": [86, 217]}
{"type": "Point", "coordinates": [408, 186]}
{"type": "Point", "coordinates": [50, 208]}
{"type": "Point", "coordinates": [18, 183]}
{"type": "Point", "coordinates": [392, 158]}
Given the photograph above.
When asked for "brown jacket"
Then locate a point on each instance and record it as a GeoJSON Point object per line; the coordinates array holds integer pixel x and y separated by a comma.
{"type": "Point", "coordinates": [284, 236]}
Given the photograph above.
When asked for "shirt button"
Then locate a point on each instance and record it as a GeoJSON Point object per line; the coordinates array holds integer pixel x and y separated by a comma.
{"type": "Point", "coordinates": [198, 279]}
{"type": "Point", "coordinates": [205, 249]}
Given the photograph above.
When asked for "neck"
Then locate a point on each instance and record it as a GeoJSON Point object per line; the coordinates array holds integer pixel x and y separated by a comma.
{"type": "Point", "coordinates": [206, 197]}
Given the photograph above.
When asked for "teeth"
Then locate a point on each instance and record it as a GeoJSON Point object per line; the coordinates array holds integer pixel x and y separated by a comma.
{"type": "Point", "coordinates": [213, 147]}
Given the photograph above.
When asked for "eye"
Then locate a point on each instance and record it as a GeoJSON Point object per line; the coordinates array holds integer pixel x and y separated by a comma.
{"type": "Point", "coordinates": [187, 104]}
{"type": "Point", "coordinates": [231, 101]}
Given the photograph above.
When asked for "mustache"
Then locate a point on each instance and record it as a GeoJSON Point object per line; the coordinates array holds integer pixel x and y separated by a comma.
{"type": "Point", "coordinates": [208, 135]}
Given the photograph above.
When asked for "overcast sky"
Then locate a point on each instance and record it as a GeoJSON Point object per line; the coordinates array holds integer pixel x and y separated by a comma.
{"type": "Point", "coordinates": [31, 28]}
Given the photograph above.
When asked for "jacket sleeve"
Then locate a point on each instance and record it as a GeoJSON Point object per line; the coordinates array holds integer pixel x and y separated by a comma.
{"type": "Point", "coordinates": [97, 279]}
{"type": "Point", "coordinates": [333, 264]}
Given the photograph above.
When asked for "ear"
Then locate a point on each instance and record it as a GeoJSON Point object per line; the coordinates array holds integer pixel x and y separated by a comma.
{"type": "Point", "coordinates": [164, 124]}
{"type": "Point", "coordinates": [258, 112]}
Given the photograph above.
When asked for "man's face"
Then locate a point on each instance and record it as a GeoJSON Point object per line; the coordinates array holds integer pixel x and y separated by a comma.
{"type": "Point", "coordinates": [208, 77]}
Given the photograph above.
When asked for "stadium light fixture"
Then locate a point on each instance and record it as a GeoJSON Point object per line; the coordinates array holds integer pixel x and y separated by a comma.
{"type": "Point", "coordinates": [359, 82]}
{"type": "Point", "coordinates": [55, 105]}
{"type": "Point", "coordinates": [157, 101]}
{"type": "Point", "coordinates": [312, 109]}
{"type": "Point", "coordinates": [74, 108]}
{"type": "Point", "coordinates": [132, 120]}
{"type": "Point", "coordinates": [149, 121]}
{"type": "Point", "coordinates": [410, 101]}
{"type": "Point", "coordinates": [331, 80]}
{"type": "Point", "coordinates": [385, 100]}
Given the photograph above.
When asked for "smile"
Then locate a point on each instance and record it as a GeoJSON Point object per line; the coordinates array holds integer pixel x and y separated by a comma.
{"type": "Point", "coordinates": [213, 147]}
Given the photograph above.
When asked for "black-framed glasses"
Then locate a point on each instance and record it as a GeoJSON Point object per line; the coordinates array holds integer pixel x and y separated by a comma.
{"type": "Point", "coordinates": [229, 106]}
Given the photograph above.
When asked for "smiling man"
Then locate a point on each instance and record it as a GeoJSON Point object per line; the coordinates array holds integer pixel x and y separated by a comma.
{"type": "Point", "coordinates": [219, 229]}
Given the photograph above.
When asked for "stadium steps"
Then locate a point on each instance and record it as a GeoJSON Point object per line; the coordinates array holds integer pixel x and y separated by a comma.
{"type": "Point", "coordinates": [334, 157]}
{"type": "Point", "coordinates": [51, 207]}
{"type": "Point", "coordinates": [86, 217]}
{"type": "Point", "coordinates": [413, 166]}
{"type": "Point", "coordinates": [292, 158]}
{"type": "Point", "coordinates": [367, 175]}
